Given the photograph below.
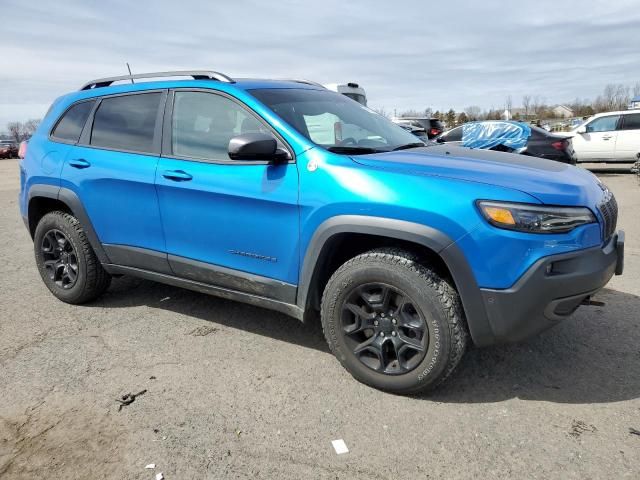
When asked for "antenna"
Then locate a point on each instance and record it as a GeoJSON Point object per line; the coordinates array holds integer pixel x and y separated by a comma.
{"type": "Point", "coordinates": [130, 74]}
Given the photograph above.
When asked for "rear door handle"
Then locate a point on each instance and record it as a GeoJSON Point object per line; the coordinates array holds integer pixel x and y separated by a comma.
{"type": "Point", "coordinates": [607, 138]}
{"type": "Point", "coordinates": [176, 175]}
{"type": "Point", "coordinates": [79, 163]}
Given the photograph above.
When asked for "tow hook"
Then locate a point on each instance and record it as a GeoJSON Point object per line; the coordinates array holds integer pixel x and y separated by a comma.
{"type": "Point", "coordinates": [593, 303]}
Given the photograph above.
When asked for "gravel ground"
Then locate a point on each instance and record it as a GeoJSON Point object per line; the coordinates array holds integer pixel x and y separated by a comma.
{"type": "Point", "coordinates": [235, 391]}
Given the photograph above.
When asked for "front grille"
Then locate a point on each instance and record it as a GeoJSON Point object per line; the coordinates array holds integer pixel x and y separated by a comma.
{"type": "Point", "coordinates": [609, 211]}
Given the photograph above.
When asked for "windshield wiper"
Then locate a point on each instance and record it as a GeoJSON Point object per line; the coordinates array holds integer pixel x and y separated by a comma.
{"type": "Point", "coordinates": [409, 145]}
{"type": "Point", "coordinates": [353, 149]}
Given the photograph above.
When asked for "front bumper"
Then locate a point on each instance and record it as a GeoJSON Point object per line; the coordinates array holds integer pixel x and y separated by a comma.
{"type": "Point", "coordinates": [551, 290]}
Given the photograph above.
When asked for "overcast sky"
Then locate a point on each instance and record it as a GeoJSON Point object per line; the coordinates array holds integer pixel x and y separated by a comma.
{"type": "Point", "coordinates": [406, 54]}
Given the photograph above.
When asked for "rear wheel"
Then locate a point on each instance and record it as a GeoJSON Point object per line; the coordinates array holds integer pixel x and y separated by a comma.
{"type": "Point", "coordinates": [393, 322]}
{"type": "Point", "coordinates": [66, 262]}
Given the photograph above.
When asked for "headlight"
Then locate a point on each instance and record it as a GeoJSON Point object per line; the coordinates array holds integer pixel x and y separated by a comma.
{"type": "Point", "coordinates": [525, 217]}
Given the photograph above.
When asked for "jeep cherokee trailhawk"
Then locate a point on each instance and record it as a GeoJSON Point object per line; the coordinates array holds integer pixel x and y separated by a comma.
{"type": "Point", "coordinates": [286, 195]}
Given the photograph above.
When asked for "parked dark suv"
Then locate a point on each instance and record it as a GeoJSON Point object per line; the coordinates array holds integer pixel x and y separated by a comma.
{"type": "Point", "coordinates": [408, 252]}
{"type": "Point", "coordinates": [8, 149]}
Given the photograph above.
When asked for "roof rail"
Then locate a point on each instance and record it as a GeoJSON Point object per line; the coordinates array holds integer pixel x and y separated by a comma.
{"type": "Point", "coordinates": [196, 74]}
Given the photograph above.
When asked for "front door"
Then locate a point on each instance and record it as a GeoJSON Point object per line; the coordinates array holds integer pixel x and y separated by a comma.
{"type": "Point", "coordinates": [599, 141]}
{"type": "Point", "coordinates": [230, 223]}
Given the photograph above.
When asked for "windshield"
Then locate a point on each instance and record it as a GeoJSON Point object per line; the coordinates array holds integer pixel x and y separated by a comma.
{"type": "Point", "coordinates": [335, 122]}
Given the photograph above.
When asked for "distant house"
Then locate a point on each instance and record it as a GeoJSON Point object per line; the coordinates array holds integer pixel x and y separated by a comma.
{"type": "Point", "coordinates": [562, 111]}
{"type": "Point", "coordinates": [635, 103]}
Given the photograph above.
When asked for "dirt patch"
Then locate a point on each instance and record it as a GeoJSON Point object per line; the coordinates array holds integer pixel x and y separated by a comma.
{"type": "Point", "coordinates": [68, 443]}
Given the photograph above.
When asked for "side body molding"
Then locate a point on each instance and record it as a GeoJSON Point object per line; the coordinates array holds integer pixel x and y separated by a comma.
{"type": "Point", "coordinates": [431, 238]}
{"type": "Point", "coordinates": [69, 198]}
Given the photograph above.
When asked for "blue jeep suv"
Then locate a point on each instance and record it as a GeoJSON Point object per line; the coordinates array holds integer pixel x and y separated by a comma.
{"type": "Point", "coordinates": [287, 196]}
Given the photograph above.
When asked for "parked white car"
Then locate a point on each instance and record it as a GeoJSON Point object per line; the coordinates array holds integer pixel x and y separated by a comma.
{"type": "Point", "coordinates": [607, 137]}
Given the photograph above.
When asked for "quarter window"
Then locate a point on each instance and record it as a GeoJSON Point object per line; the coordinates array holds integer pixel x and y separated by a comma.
{"type": "Point", "coordinates": [203, 124]}
{"type": "Point", "coordinates": [603, 124]}
{"type": "Point", "coordinates": [126, 122]}
{"type": "Point", "coordinates": [631, 121]}
{"type": "Point", "coordinates": [70, 125]}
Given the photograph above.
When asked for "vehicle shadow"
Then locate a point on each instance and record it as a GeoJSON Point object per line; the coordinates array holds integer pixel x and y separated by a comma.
{"type": "Point", "coordinates": [593, 357]}
{"type": "Point", "coordinates": [131, 292]}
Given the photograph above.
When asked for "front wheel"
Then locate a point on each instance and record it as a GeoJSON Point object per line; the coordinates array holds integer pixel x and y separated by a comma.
{"type": "Point", "coordinates": [392, 322]}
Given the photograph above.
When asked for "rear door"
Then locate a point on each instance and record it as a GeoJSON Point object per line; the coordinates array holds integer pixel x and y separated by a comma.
{"type": "Point", "coordinates": [628, 141]}
{"type": "Point", "coordinates": [228, 223]}
{"type": "Point", "coordinates": [112, 170]}
{"type": "Point", "coordinates": [599, 141]}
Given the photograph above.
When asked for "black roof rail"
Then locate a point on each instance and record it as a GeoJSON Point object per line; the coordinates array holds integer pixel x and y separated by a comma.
{"type": "Point", "coordinates": [196, 74]}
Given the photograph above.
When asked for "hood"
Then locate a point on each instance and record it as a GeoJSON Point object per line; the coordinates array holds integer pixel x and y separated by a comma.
{"type": "Point", "coordinates": [550, 182]}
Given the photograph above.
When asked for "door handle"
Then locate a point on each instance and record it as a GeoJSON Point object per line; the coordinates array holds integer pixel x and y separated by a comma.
{"type": "Point", "coordinates": [176, 175]}
{"type": "Point", "coordinates": [79, 163]}
{"type": "Point", "coordinates": [606, 138]}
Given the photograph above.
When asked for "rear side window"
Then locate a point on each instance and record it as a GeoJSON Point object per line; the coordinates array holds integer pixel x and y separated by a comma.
{"type": "Point", "coordinates": [70, 125]}
{"type": "Point", "coordinates": [126, 123]}
{"type": "Point", "coordinates": [631, 121]}
{"type": "Point", "coordinates": [454, 135]}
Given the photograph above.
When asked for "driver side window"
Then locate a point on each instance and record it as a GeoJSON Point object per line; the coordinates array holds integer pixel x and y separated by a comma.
{"type": "Point", "coordinates": [203, 123]}
{"type": "Point", "coordinates": [603, 124]}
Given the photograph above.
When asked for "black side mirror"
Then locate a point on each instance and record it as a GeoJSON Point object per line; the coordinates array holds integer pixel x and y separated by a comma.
{"type": "Point", "coordinates": [256, 146]}
{"type": "Point", "coordinates": [440, 140]}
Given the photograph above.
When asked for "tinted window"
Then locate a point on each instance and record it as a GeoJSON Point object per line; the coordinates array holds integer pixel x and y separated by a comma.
{"type": "Point", "coordinates": [126, 123]}
{"type": "Point", "coordinates": [603, 124]}
{"type": "Point", "coordinates": [454, 135]}
{"type": "Point", "coordinates": [203, 124]}
{"type": "Point", "coordinates": [70, 125]}
{"type": "Point", "coordinates": [631, 122]}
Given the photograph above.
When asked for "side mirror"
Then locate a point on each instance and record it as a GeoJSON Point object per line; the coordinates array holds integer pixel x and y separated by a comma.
{"type": "Point", "coordinates": [440, 140]}
{"type": "Point", "coordinates": [257, 147]}
{"type": "Point", "coordinates": [582, 129]}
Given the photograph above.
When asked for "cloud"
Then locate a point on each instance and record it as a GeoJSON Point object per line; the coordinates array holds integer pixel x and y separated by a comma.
{"type": "Point", "coordinates": [407, 54]}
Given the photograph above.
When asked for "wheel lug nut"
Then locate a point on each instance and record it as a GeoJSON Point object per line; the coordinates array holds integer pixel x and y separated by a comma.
{"type": "Point", "coordinates": [382, 334]}
{"type": "Point", "coordinates": [375, 322]}
{"type": "Point", "coordinates": [393, 333]}
{"type": "Point", "coordinates": [394, 321]}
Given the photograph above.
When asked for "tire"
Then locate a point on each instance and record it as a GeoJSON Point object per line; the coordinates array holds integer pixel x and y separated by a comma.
{"type": "Point", "coordinates": [66, 262]}
{"type": "Point", "coordinates": [431, 318]}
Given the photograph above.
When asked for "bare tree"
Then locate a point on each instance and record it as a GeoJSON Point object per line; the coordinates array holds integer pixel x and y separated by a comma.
{"type": "Point", "coordinates": [473, 112]}
{"type": "Point", "coordinates": [508, 104]}
{"type": "Point", "coordinates": [16, 130]}
{"type": "Point", "coordinates": [538, 106]}
{"type": "Point", "coordinates": [526, 104]}
{"type": "Point", "coordinates": [636, 89]}
{"type": "Point", "coordinates": [30, 126]}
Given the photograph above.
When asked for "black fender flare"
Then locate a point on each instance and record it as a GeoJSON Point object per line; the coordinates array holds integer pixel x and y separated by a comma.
{"type": "Point", "coordinates": [71, 200]}
{"type": "Point", "coordinates": [434, 239]}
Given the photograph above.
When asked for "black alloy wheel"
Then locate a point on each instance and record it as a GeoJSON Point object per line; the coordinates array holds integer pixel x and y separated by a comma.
{"type": "Point", "coordinates": [60, 259]}
{"type": "Point", "coordinates": [384, 329]}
